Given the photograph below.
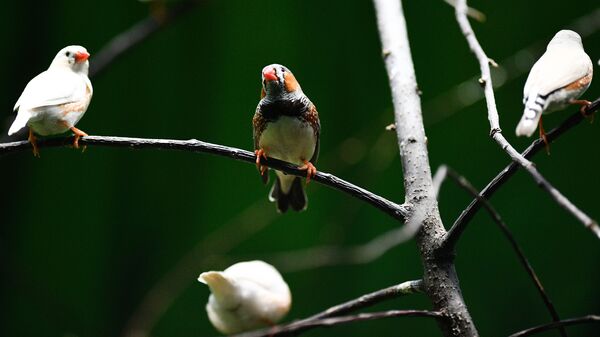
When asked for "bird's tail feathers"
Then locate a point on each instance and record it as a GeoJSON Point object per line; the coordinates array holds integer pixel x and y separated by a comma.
{"type": "Point", "coordinates": [220, 285]}
{"type": "Point", "coordinates": [287, 194]}
{"type": "Point", "coordinates": [531, 116]}
{"type": "Point", "coordinates": [20, 122]}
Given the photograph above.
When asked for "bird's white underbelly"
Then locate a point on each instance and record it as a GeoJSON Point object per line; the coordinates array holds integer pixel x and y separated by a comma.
{"type": "Point", "coordinates": [289, 139]}
{"type": "Point", "coordinates": [560, 99]}
{"type": "Point", "coordinates": [52, 120]}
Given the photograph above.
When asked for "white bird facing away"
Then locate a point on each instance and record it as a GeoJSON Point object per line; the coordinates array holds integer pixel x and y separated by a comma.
{"type": "Point", "coordinates": [246, 296]}
{"type": "Point", "coordinates": [55, 100]}
{"type": "Point", "coordinates": [556, 80]}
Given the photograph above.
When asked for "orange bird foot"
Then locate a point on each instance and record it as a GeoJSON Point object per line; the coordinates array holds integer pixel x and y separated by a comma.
{"type": "Point", "coordinates": [543, 136]}
{"type": "Point", "coordinates": [584, 104]}
{"type": "Point", "coordinates": [311, 170]}
{"type": "Point", "coordinates": [260, 153]}
{"type": "Point", "coordinates": [32, 140]}
{"type": "Point", "coordinates": [78, 134]}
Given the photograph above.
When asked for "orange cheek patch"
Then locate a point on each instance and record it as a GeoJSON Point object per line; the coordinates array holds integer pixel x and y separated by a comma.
{"type": "Point", "coordinates": [291, 84]}
{"type": "Point", "coordinates": [263, 93]}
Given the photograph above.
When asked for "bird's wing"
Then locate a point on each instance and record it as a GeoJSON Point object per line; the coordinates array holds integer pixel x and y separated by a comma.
{"type": "Point", "coordinates": [52, 88]}
{"type": "Point", "coordinates": [313, 119]}
{"type": "Point", "coordinates": [557, 69]}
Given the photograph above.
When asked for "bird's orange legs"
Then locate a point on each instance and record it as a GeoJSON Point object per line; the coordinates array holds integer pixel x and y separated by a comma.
{"type": "Point", "coordinates": [311, 170]}
{"type": "Point", "coordinates": [78, 134]}
{"type": "Point", "coordinates": [32, 140]}
{"type": "Point", "coordinates": [260, 153]}
{"type": "Point", "coordinates": [584, 104]}
{"type": "Point", "coordinates": [543, 136]}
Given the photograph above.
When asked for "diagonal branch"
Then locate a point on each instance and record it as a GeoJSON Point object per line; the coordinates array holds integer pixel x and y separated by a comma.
{"type": "Point", "coordinates": [496, 132]}
{"type": "Point", "coordinates": [398, 212]}
{"type": "Point", "coordinates": [320, 319]}
{"type": "Point", "coordinates": [468, 213]}
{"type": "Point", "coordinates": [368, 300]}
{"type": "Point", "coordinates": [294, 329]}
{"type": "Point", "coordinates": [466, 185]}
{"type": "Point", "coordinates": [137, 34]}
{"type": "Point", "coordinates": [555, 325]}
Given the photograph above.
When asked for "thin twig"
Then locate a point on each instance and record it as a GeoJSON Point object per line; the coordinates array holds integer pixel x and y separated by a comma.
{"type": "Point", "coordinates": [130, 38]}
{"type": "Point", "coordinates": [304, 259]}
{"type": "Point", "coordinates": [203, 255]}
{"type": "Point", "coordinates": [368, 300]}
{"type": "Point", "coordinates": [399, 212]}
{"type": "Point", "coordinates": [501, 178]}
{"type": "Point", "coordinates": [294, 329]}
{"type": "Point", "coordinates": [554, 325]}
{"type": "Point", "coordinates": [496, 132]}
{"type": "Point", "coordinates": [469, 188]}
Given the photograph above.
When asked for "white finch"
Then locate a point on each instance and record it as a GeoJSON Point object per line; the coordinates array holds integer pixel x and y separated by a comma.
{"type": "Point", "coordinates": [556, 80]}
{"type": "Point", "coordinates": [55, 100]}
{"type": "Point", "coordinates": [246, 296]}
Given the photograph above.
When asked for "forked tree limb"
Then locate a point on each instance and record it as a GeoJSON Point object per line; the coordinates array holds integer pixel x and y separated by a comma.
{"type": "Point", "coordinates": [439, 275]}
{"type": "Point", "coordinates": [463, 183]}
{"type": "Point", "coordinates": [461, 223]}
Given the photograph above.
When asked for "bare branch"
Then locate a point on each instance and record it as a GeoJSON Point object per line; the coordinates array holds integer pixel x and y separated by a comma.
{"type": "Point", "coordinates": [138, 33]}
{"type": "Point", "coordinates": [466, 185]}
{"type": "Point", "coordinates": [304, 259]}
{"type": "Point", "coordinates": [555, 325]}
{"type": "Point", "coordinates": [368, 300]}
{"type": "Point", "coordinates": [501, 178]}
{"type": "Point", "coordinates": [295, 328]}
{"type": "Point", "coordinates": [399, 212]}
{"type": "Point", "coordinates": [496, 132]}
{"type": "Point", "coordinates": [169, 287]}
{"type": "Point", "coordinates": [440, 279]}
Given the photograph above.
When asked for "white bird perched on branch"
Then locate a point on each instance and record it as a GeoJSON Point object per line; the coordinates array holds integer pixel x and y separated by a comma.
{"type": "Point", "coordinates": [556, 80]}
{"type": "Point", "coordinates": [246, 296]}
{"type": "Point", "coordinates": [55, 100]}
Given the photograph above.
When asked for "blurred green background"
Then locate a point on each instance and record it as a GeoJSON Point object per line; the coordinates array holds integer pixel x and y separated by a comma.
{"type": "Point", "coordinates": [110, 242]}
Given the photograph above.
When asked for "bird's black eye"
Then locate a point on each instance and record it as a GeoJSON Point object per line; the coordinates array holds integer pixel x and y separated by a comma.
{"type": "Point", "coordinates": [68, 54]}
{"type": "Point", "coordinates": [282, 70]}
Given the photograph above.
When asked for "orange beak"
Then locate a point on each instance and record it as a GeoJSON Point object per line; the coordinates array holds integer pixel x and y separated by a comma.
{"type": "Point", "coordinates": [81, 56]}
{"type": "Point", "coordinates": [269, 74]}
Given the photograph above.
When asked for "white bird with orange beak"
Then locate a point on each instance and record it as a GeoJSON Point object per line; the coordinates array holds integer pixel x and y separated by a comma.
{"type": "Point", "coordinates": [55, 100]}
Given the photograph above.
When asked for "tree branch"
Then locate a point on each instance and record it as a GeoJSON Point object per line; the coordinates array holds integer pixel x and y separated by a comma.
{"type": "Point", "coordinates": [405, 288]}
{"type": "Point", "coordinates": [559, 324]}
{"type": "Point", "coordinates": [468, 187]}
{"type": "Point", "coordinates": [440, 279]}
{"type": "Point", "coordinates": [294, 329]}
{"type": "Point", "coordinates": [138, 33]}
{"type": "Point", "coordinates": [501, 178]}
{"type": "Point", "coordinates": [496, 132]}
{"type": "Point", "coordinates": [398, 212]}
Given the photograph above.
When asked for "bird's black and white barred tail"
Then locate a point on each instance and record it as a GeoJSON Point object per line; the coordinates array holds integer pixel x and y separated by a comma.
{"type": "Point", "coordinates": [534, 107]}
{"type": "Point", "coordinates": [294, 198]}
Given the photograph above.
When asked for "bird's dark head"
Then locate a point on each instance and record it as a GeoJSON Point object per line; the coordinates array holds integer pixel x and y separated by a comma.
{"type": "Point", "coordinates": [277, 80]}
